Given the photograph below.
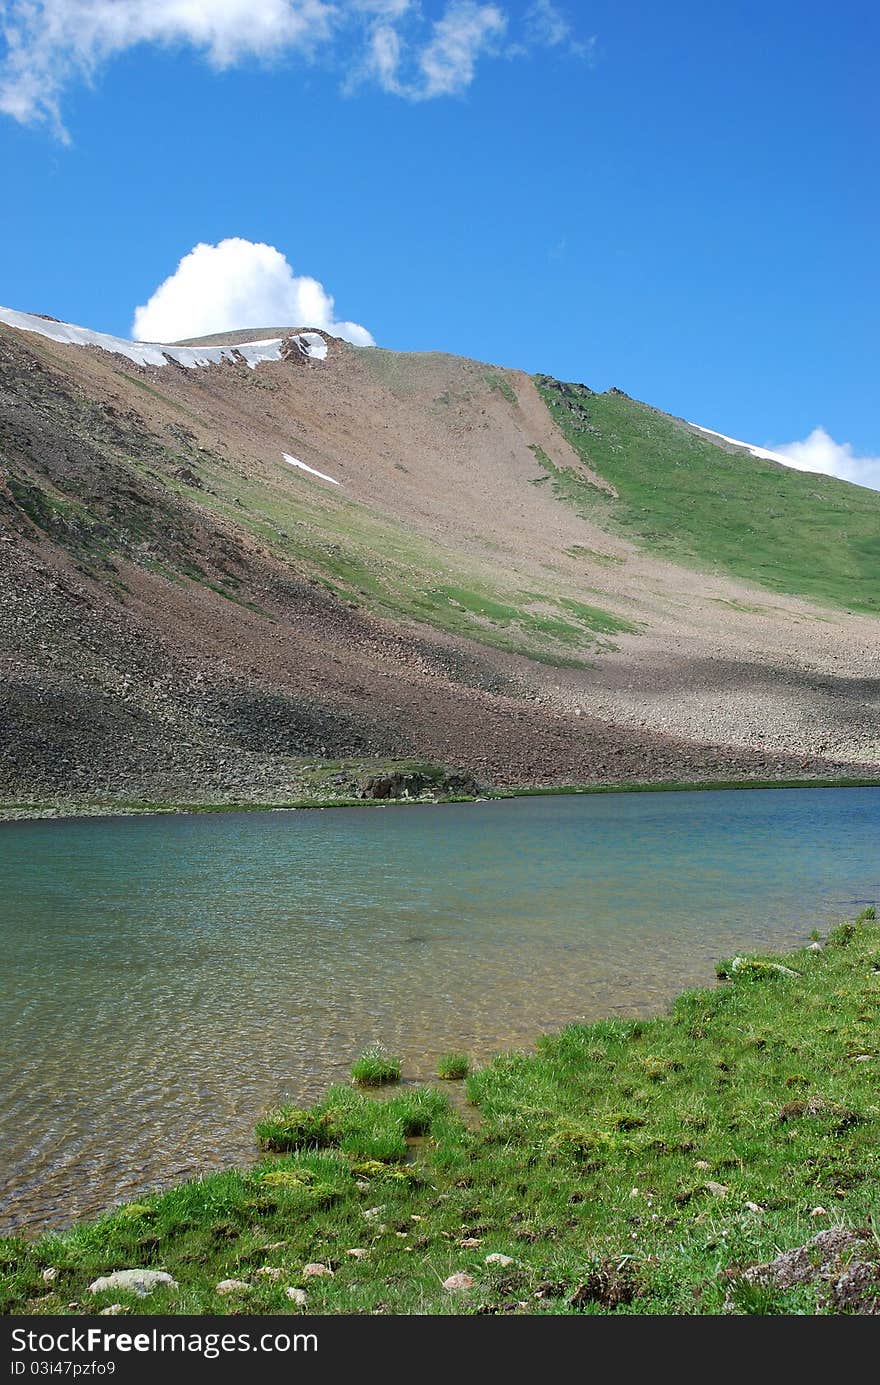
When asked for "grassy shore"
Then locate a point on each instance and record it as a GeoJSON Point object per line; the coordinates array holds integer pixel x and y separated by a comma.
{"type": "Point", "coordinates": [16, 811]}
{"type": "Point", "coordinates": [626, 1166]}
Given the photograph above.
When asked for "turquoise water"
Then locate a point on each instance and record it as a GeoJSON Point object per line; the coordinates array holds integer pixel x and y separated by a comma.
{"type": "Point", "coordinates": [165, 979]}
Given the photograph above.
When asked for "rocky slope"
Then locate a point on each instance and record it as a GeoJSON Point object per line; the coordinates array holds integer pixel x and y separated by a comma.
{"type": "Point", "coordinates": [218, 580]}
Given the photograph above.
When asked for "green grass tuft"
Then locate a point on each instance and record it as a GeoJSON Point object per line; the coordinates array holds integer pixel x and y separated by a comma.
{"type": "Point", "coordinates": [375, 1067]}
{"type": "Point", "coordinates": [452, 1067]}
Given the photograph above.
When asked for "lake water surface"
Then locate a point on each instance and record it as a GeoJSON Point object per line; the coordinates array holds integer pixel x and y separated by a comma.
{"type": "Point", "coordinates": [166, 979]}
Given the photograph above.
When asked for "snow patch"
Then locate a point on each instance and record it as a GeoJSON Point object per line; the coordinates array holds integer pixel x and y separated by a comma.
{"type": "Point", "coordinates": [303, 466]}
{"type": "Point", "coordinates": [310, 344]}
{"type": "Point", "coordinates": [737, 442]}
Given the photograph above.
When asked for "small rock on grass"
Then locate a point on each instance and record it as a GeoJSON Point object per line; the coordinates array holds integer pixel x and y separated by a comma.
{"type": "Point", "coordinates": [49, 1274]}
{"type": "Point", "coordinates": [112, 1310]}
{"type": "Point", "coordinates": [470, 1242]}
{"type": "Point", "coordinates": [270, 1272]}
{"type": "Point", "coordinates": [140, 1282]}
{"type": "Point", "coordinates": [314, 1270]}
{"type": "Point", "coordinates": [232, 1286]}
{"type": "Point", "coordinates": [717, 1189]}
{"type": "Point", "coordinates": [458, 1282]}
{"type": "Point", "coordinates": [496, 1258]}
{"type": "Point", "coordinates": [357, 1253]}
{"type": "Point", "coordinates": [297, 1296]}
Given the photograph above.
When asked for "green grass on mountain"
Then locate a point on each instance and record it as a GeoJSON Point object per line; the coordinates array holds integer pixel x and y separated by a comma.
{"type": "Point", "coordinates": [628, 1166]}
{"type": "Point", "coordinates": [383, 565]}
{"type": "Point", "coordinates": [698, 504]}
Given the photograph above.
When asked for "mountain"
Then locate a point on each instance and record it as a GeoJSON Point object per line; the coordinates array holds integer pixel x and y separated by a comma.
{"type": "Point", "coordinates": [255, 567]}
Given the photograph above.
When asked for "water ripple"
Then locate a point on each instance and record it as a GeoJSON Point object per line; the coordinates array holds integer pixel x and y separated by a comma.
{"type": "Point", "coordinates": [167, 979]}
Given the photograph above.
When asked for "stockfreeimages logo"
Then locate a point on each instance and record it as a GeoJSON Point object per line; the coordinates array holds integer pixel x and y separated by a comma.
{"type": "Point", "coordinates": [92, 1341]}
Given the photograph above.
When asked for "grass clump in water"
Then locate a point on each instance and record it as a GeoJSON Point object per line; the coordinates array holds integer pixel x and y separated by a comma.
{"type": "Point", "coordinates": [375, 1067]}
{"type": "Point", "coordinates": [452, 1067]}
{"type": "Point", "coordinates": [363, 1128]}
{"type": "Point", "coordinates": [288, 1127]}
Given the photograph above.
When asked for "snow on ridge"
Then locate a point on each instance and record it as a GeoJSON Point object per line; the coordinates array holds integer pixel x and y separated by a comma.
{"type": "Point", "coordinates": [310, 344]}
{"type": "Point", "coordinates": [737, 442]}
{"type": "Point", "coordinates": [303, 466]}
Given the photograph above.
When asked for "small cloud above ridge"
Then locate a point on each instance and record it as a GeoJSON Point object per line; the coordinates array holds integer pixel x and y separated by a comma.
{"type": "Point", "coordinates": [819, 452]}
{"type": "Point", "coordinates": [235, 285]}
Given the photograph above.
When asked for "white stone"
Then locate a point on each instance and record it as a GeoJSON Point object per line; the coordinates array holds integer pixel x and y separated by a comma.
{"type": "Point", "coordinates": [496, 1258]}
{"type": "Point", "coordinates": [140, 1282]}
{"type": "Point", "coordinates": [232, 1286]}
{"type": "Point", "coordinates": [297, 1296]}
{"type": "Point", "coordinates": [270, 1272]}
{"type": "Point", "coordinates": [314, 1271]}
{"type": "Point", "coordinates": [456, 1282]}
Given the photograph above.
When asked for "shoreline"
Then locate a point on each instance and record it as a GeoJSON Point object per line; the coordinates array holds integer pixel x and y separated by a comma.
{"type": "Point", "coordinates": [85, 809]}
{"type": "Point", "coordinates": [618, 1144]}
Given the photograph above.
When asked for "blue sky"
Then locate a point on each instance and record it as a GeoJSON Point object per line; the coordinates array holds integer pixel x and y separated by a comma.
{"type": "Point", "coordinates": [680, 200]}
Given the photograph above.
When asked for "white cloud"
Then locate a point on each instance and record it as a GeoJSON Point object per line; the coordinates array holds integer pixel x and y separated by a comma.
{"type": "Point", "coordinates": [53, 44]}
{"type": "Point", "coordinates": [233, 286]}
{"type": "Point", "coordinates": [819, 452]}
{"type": "Point", "coordinates": [444, 64]}
{"type": "Point", "coordinates": [546, 23]}
{"type": "Point", "coordinates": [465, 31]}
{"type": "Point", "coordinates": [547, 26]}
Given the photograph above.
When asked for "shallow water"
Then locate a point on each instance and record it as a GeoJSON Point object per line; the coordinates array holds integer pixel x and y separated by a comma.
{"type": "Point", "coordinates": [166, 979]}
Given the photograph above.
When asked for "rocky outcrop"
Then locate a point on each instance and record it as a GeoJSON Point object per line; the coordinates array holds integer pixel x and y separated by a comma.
{"type": "Point", "coordinates": [418, 785]}
{"type": "Point", "coordinates": [840, 1264]}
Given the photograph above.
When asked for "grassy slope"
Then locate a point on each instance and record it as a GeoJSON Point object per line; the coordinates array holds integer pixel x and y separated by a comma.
{"type": "Point", "coordinates": [365, 558]}
{"type": "Point", "coordinates": [701, 505]}
{"type": "Point", "coordinates": [592, 1167]}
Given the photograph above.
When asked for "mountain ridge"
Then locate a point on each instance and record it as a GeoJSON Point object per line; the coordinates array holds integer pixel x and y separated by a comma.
{"type": "Point", "coordinates": [480, 588]}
